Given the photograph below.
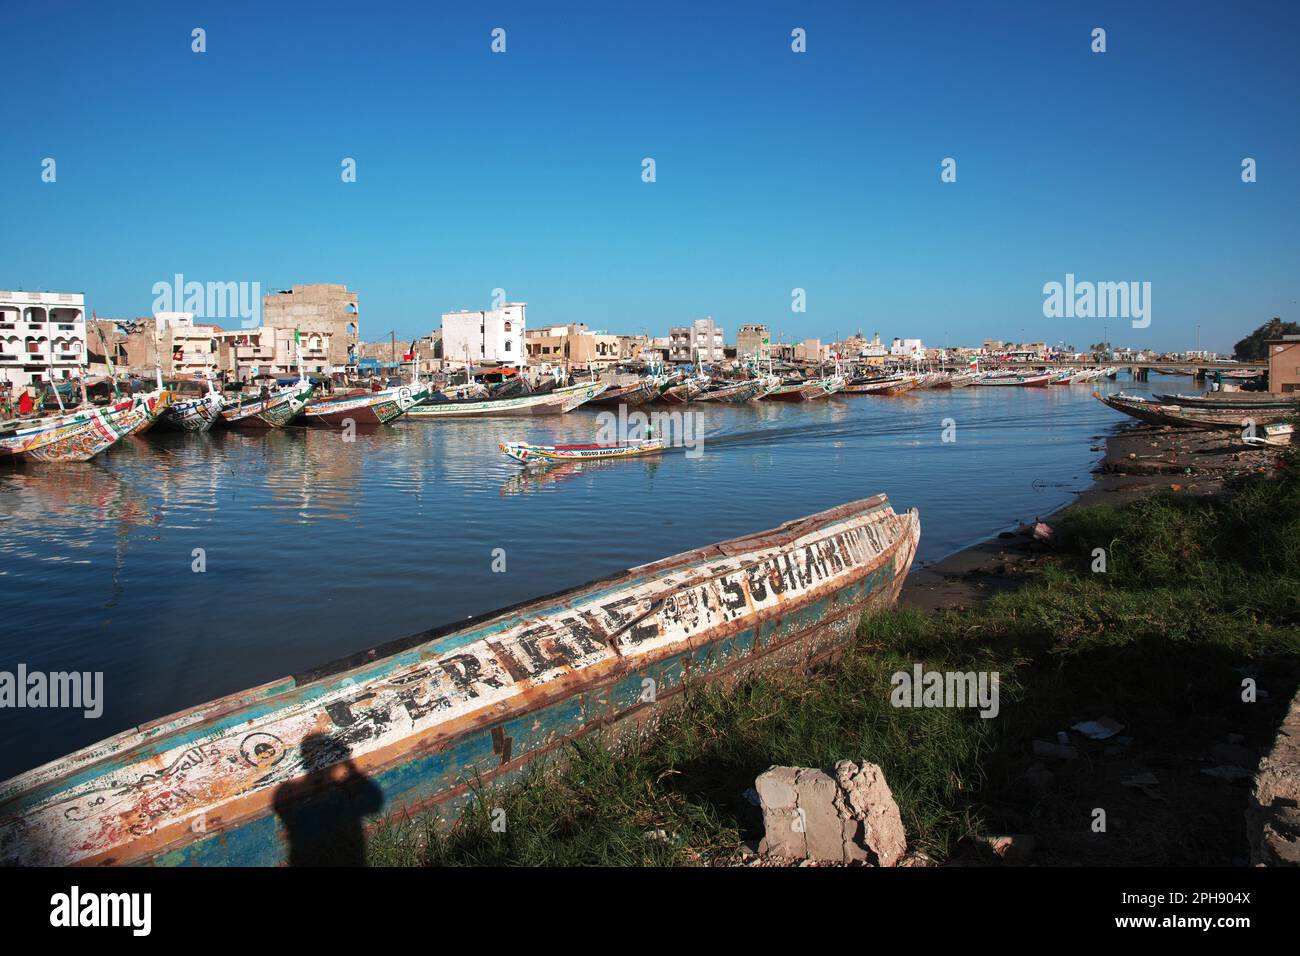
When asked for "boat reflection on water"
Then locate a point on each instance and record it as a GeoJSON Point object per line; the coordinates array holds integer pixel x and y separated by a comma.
{"type": "Point", "coordinates": [541, 476]}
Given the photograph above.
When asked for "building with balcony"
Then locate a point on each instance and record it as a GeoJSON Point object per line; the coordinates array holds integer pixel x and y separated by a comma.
{"type": "Point", "coordinates": [751, 341]}
{"type": "Point", "coordinates": [42, 337]}
{"type": "Point", "coordinates": [573, 345]}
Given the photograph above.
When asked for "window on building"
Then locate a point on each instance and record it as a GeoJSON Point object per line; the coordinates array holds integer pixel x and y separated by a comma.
{"type": "Point", "coordinates": [507, 345]}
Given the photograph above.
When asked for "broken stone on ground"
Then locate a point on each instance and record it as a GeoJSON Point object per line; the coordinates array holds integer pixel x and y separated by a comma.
{"type": "Point", "coordinates": [843, 815]}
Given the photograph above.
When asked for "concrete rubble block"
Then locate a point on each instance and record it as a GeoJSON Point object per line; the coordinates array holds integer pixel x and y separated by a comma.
{"type": "Point", "coordinates": [844, 815]}
{"type": "Point", "coordinates": [1273, 817]}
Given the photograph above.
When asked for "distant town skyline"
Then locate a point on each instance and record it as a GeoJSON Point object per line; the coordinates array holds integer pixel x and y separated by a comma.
{"type": "Point", "coordinates": [778, 175]}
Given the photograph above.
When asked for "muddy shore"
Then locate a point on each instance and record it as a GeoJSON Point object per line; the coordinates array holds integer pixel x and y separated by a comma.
{"type": "Point", "coordinates": [1138, 459]}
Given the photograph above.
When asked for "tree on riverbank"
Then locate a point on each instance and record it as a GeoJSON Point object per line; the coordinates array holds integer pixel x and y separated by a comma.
{"type": "Point", "coordinates": [1254, 347]}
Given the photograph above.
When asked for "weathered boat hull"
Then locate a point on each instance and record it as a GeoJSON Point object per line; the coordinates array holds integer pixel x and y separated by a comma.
{"type": "Point", "coordinates": [1023, 381]}
{"type": "Point", "coordinates": [556, 402]}
{"type": "Point", "coordinates": [734, 394]}
{"type": "Point", "coordinates": [420, 722]}
{"type": "Point", "coordinates": [277, 411]}
{"type": "Point", "coordinates": [194, 415]}
{"type": "Point", "coordinates": [363, 411]}
{"type": "Point", "coordinates": [631, 395]}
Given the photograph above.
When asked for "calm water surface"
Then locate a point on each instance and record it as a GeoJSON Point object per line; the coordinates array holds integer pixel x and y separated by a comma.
{"type": "Point", "coordinates": [316, 548]}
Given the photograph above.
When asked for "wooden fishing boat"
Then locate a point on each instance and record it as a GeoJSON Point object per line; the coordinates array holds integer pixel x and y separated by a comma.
{"type": "Point", "coordinates": [1158, 413]}
{"type": "Point", "coordinates": [802, 390]}
{"type": "Point", "coordinates": [960, 380]}
{"type": "Point", "coordinates": [1275, 436]}
{"type": "Point", "coordinates": [901, 387]}
{"type": "Point", "coordinates": [731, 392]}
{"type": "Point", "coordinates": [682, 393]}
{"type": "Point", "coordinates": [363, 408]}
{"type": "Point", "coordinates": [264, 776]}
{"type": "Point", "coordinates": [529, 454]}
{"type": "Point", "coordinates": [194, 414]}
{"type": "Point", "coordinates": [1031, 381]}
{"type": "Point", "coordinates": [92, 433]}
{"type": "Point", "coordinates": [869, 386]}
{"type": "Point", "coordinates": [278, 409]}
{"type": "Point", "coordinates": [1257, 400]}
{"type": "Point", "coordinates": [555, 402]}
{"type": "Point", "coordinates": [638, 393]}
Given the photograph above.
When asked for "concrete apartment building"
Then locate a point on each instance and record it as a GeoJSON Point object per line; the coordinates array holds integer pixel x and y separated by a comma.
{"type": "Point", "coordinates": [701, 341]}
{"type": "Point", "coordinates": [751, 340]}
{"type": "Point", "coordinates": [1284, 364]}
{"type": "Point", "coordinates": [573, 344]}
{"type": "Point", "coordinates": [42, 337]}
{"type": "Point", "coordinates": [485, 336]}
{"type": "Point", "coordinates": [245, 354]}
{"type": "Point", "coordinates": [324, 308]}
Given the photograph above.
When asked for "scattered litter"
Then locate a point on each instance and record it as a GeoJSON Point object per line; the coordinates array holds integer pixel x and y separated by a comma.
{"type": "Point", "coordinates": [1228, 773]}
{"type": "Point", "coordinates": [1146, 782]}
{"type": "Point", "coordinates": [659, 836]}
{"type": "Point", "coordinates": [1012, 847]}
{"type": "Point", "coordinates": [751, 796]}
{"type": "Point", "coordinates": [1103, 728]}
{"type": "Point", "coordinates": [1045, 748]}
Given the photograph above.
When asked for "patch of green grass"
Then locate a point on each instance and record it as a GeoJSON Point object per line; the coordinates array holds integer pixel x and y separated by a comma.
{"type": "Point", "coordinates": [1196, 592]}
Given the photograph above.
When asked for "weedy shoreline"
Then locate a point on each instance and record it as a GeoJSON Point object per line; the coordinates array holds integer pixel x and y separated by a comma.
{"type": "Point", "coordinates": [1194, 607]}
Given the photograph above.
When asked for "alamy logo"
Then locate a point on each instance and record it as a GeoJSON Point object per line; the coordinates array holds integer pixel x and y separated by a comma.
{"type": "Point", "coordinates": [103, 909]}
{"type": "Point", "coordinates": [56, 689]}
{"type": "Point", "coordinates": [211, 300]}
{"type": "Point", "coordinates": [922, 688]}
{"type": "Point", "coordinates": [1098, 300]}
{"type": "Point", "coordinates": [674, 429]}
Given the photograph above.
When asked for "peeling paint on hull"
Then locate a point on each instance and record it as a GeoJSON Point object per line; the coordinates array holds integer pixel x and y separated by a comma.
{"type": "Point", "coordinates": [423, 718]}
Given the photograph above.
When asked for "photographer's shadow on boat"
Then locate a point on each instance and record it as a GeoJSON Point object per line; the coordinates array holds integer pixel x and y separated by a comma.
{"type": "Point", "coordinates": [323, 812]}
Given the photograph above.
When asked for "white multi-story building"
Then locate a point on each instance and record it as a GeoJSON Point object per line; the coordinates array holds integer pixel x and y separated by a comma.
{"type": "Point", "coordinates": [485, 336]}
{"type": "Point", "coordinates": [42, 336]}
{"type": "Point", "coordinates": [702, 341]}
{"type": "Point", "coordinates": [907, 348]}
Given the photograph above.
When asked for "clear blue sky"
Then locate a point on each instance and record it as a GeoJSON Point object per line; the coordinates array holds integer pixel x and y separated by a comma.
{"type": "Point", "coordinates": [775, 170]}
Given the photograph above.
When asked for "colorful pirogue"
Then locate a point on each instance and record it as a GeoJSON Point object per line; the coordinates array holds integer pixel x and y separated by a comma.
{"type": "Point", "coordinates": [528, 454]}
{"type": "Point", "coordinates": [420, 722]}
{"type": "Point", "coordinates": [195, 414]}
{"type": "Point", "coordinates": [555, 402]}
{"type": "Point", "coordinates": [83, 434]}
{"type": "Point", "coordinates": [364, 408]}
{"type": "Point", "coordinates": [276, 410]}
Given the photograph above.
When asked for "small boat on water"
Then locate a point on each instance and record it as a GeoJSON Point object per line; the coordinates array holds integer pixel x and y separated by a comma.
{"type": "Point", "coordinates": [364, 408]}
{"type": "Point", "coordinates": [683, 392]}
{"type": "Point", "coordinates": [555, 402]}
{"type": "Point", "coordinates": [530, 454]}
{"type": "Point", "coordinates": [263, 777]}
{"type": "Point", "coordinates": [1031, 381]}
{"type": "Point", "coordinates": [276, 409]}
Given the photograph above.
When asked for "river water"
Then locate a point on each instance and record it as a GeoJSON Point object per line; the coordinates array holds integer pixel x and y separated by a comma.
{"type": "Point", "coordinates": [312, 548]}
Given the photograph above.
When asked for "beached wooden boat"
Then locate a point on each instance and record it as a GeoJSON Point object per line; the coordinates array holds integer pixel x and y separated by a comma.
{"type": "Point", "coordinates": [869, 386]}
{"type": "Point", "coordinates": [683, 392]}
{"type": "Point", "coordinates": [266, 776]}
{"type": "Point", "coordinates": [91, 432]}
{"type": "Point", "coordinates": [555, 402]}
{"type": "Point", "coordinates": [1216, 400]}
{"type": "Point", "coordinates": [529, 454]}
{"type": "Point", "coordinates": [278, 409]}
{"type": "Point", "coordinates": [734, 393]}
{"type": "Point", "coordinates": [1275, 436]}
{"type": "Point", "coordinates": [363, 408]}
{"type": "Point", "coordinates": [194, 414]}
{"type": "Point", "coordinates": [907, 384]}
{"type": "Point", "coordinates": [1221, 419]}
{"type": "Point", "coordinates": [638, 393]}
{"type": "Point", "coordinates": [803, 390]}
{"type": "Point", "coordinates": [1031, 381]}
